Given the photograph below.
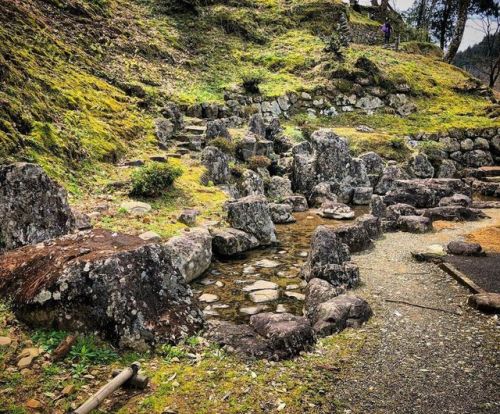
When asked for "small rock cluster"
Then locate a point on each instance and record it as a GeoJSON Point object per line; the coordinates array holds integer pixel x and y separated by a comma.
{"type": "Point", "coordinates": [412, 205]}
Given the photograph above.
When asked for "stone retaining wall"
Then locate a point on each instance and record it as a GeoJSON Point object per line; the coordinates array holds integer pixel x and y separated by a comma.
{"type": "Point", "coordinates": [467, 148]}
{"type": "Point", "coordinates": [328, 101]}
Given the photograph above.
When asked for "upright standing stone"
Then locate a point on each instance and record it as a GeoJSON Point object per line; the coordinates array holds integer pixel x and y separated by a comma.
{"type": "Point", "coordinates": [33, 208]}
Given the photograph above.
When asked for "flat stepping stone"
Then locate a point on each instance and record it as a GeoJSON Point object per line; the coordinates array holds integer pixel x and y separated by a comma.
{"type": "Point", "coordinates": [253, 310]}
{"type": "Point", "coordinates": [266, 263]}
{"type": "Point", "coordinates": [209, 311]}
{"type": "Point", "coordinates": [281, 308]}
{"type": "Point", "coordinates": [249, 270]}
{"type": "Point", "coordinates": [266, 295]}
{"type": "Point", "coordinates": [208, 298]}
{"type": "Point", "coordinates": [219, 306]}
{"type": "Point", "coordinates": [150, 236]}
{"type": "Point", "coordinates": [5, 341]}
{"type": "Point", "coordinates": [295, 295]}
{"type": "Point", "coordinates": [207, 282]}
{"type": "Point", "coordinates": [429, 253]}
{"type": "Point", "coordinates": [292, 287]}
{"type": "Point", "coordinates": [260, 285]}
{"type": "Point", "coordinates": [136, 207]}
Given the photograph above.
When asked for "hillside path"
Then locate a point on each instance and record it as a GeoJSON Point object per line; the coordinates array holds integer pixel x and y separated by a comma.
{"type": "Point", "coordinates": [417, 360]}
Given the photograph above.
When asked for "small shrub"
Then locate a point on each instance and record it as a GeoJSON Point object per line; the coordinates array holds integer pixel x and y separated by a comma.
{"type": "Point", "coordinates": [259, 161]}
{"type": "Point", "coordinates": [170, 351]}
{"type": "Point", "coordinates": [154, 180]}
{"type": "Point", "coordinates": [225, 145]}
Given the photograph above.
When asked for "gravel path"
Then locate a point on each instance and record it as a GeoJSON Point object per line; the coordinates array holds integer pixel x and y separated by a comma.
{"type": "Point", "coordinates": [418, 360]}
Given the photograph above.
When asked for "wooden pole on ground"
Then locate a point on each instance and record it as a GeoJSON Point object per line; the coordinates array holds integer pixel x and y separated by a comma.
{"type": "Point", "coordinates": [95, 400]}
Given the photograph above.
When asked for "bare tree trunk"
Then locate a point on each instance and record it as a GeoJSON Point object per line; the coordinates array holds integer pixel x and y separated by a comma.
{"type": "Point", "coordinates": [463, 12]}
{"type": "Point", "coordinates": [384, 5]}
{"type": "Point", "coordinates": [375, 3]}
{"type": "Point", "coordinates": [421, 13]}
{"type": "Point", "coordinates": [444, 24]}
{"type": "Point", "coordinates": [494, 73]}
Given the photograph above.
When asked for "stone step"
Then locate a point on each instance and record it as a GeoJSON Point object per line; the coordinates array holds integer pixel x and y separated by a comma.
{"type": "Point", "coordinates": [491, 171]}
{"type": "Point", "coordinates": [197, 129]}
{"type": "Point", "coordinates": [495, 179]}
{"type": "Point", "coordinates": [196, 121]}
{"type": "Point", "coordinates": [190, 137]}
{"type": "Point", "coordinates": [182, 151]}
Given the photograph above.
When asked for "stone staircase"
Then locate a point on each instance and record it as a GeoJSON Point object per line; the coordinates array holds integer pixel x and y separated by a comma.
{"type": "Point", "coordinates": [491, 174]}
{"type": "Point", "coordinates": [192, 137]}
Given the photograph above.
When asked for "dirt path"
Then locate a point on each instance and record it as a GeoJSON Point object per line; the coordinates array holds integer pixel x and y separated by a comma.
{"type": "Point", "coordinates": [418, 360]}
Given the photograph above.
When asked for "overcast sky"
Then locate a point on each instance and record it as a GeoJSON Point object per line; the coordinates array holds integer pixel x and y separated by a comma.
{"type": "Point", "coordinates": [472, 34]}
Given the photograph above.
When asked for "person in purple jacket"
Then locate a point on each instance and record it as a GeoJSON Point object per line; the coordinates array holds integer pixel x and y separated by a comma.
{"type": "Point", "coordinates": [387, 29]}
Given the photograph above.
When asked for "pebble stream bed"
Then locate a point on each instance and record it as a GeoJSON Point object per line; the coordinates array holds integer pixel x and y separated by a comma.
{"type": "Point", "coordinates": [262, 280]}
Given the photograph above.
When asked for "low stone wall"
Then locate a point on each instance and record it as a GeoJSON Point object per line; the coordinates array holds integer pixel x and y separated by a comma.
{"type": "Point", "coordinates": [467, 148]}
{"type": "Point", "coordinates": [328, 101]}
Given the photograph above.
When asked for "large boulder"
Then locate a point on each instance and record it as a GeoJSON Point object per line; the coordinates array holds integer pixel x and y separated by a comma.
{"type": "Point", "coordinates": [126, 289]}
{"type": "Point", "coordinates": [251, 215]}
{"type": "Point", "coordinates": [297, 201]}
{"type": "Point", "coordinates": [217, 165]}
{"type": "Point", "coordinates": [452, 213]}
{"type": "Point", "coordinates": [461, 248]}
{"type": "Point", "coordinates": [329, 260]}
{"type": "Point", "coordinates": [286, 334]}
{"type": "Point", "coordinates": [342, 312]}
{"type": "Point", "coordinates": [421, 167]}
{"type": "Point", "coordinates": [378, 207]}
{"type": "Point", "coordinates": [238, 338]}
{"type": "Point", "coordinates": [322, 193]}
{"type": "Point", "coordinates": [318, 291]}
{"type": "Point", "coordinates": [217, 129]}
{"type": "Point", "coordinates": [272, 336]}
{"type": "Point", "coordinates": [191, 253]}
{"type": "Point", "coordinates": [355, 236]}
{"type": "Point", "coordinates": [425, 193]}
{"type": "Point", "coordinates": [165, 130]}
{"type": "Point", "coordinates": [279, 188]}
{"type": "Point", "coordinates": [33, 208]}
{"type": "Point", "coordinates": [281, 213]}
{"type": "Point", "coordinates": [230, 242]}
{"type": "Point", "coordinates": [415, 224]}
{"type": "Point", "coordinates": [251, 184]}
{"type": "Point", "coordinates": [327, 159]}
{"type": "Point", "coordinates": [390, 174]}
{"type": "Point", "coordinates": [477, 158]}
{"type": "Point", "coordinates": [373, 162]}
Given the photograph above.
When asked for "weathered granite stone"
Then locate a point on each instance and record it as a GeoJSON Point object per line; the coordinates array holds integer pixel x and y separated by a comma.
{"type": "Point", "coordinates": [33, 208]}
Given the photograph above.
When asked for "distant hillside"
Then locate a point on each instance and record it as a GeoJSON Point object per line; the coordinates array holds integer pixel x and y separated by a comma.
{"type": "Point", "coordinates": [481, 58]}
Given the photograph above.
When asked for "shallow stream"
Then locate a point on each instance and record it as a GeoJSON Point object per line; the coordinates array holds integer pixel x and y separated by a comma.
{"type": "Point", "coordinates": [225, 281]}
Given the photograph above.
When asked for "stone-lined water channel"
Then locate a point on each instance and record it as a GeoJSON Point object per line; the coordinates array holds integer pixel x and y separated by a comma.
{"type": "Point", "coordinates": [230, 283]}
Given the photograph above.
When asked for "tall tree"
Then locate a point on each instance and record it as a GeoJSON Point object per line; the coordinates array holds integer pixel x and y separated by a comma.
{"type": "Point", "coordinates": [483, 59]}
{"type": "Point", "coordinates": [463, 13]}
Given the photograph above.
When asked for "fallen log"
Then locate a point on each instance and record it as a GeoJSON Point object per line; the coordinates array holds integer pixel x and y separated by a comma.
{"type": "Point", "coordinates": [120, 379]}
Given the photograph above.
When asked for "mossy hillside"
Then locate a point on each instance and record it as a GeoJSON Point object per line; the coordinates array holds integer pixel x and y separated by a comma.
{"type": "Point", "coordinates": [80, 91]}
{"type": "Point", "coordinates": [54, 112]}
